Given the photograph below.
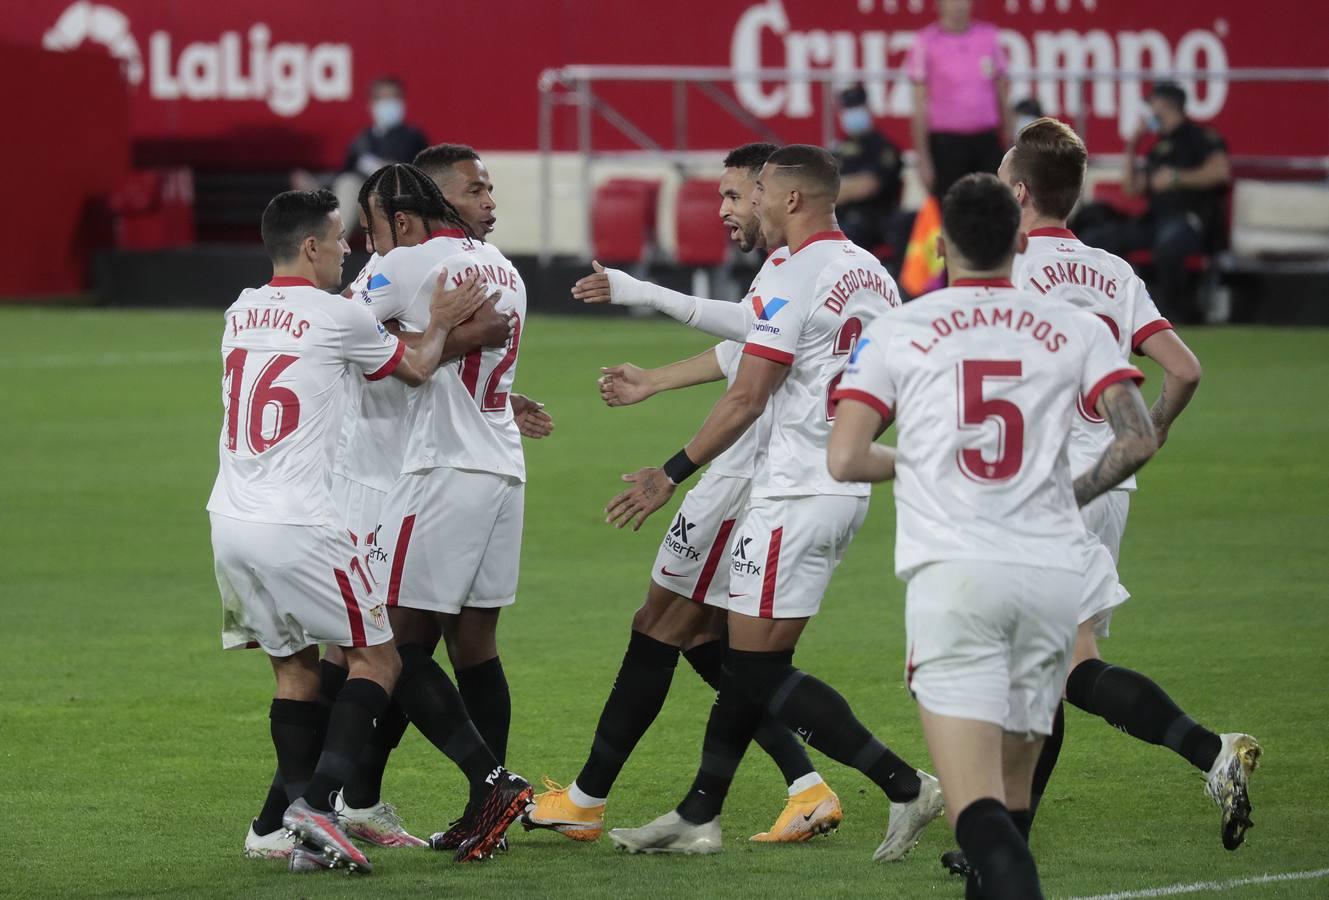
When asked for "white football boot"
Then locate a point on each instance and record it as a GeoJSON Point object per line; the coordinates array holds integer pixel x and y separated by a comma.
{"type": "Point", "coordinates": [670, 833]}
{"type": "Point", "coordinates": [1228, 782]}
{"type": "Point", "coordinates": [907, 821]}
{"type": "Point", "coordinates": [276, 844]}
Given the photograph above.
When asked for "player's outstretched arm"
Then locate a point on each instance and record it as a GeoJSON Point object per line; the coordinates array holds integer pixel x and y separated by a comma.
{"type": "Point", "coordinates": [718, 317]}
{"type": "Point", "coordinates": [626, 384]}
{"type": "Point", "coordinates": [853, 453]}
{"type": "Point", "coordinates": [1181, 379]}
{"type": "Point", "coordinates": [732, 415]}
{"type": "Point", "coordinates": [447, 309]}
{"type": "Point", "coordinates": [1132, 444]}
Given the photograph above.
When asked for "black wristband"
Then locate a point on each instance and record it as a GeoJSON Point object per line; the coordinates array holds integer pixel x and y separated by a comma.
{"type": "Point", "coordinates": [679, 468]}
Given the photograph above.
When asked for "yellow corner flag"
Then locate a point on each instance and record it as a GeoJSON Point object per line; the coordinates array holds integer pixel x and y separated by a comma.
{"type": "Point", "coordinates": [922, 265]}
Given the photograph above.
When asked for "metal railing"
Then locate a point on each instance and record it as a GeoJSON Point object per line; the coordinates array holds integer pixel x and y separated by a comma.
{"type": "Point", "coordinates": [575, 86]}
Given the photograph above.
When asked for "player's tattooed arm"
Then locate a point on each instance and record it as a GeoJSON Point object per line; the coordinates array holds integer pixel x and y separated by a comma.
{"type": "Point", "coordinates": [853, 454]}
{"type": "Point", "coordinates": [1132, 444]}
{"type": "Point", "coordinates": [1181, 379]}
{"type": "Point", "coordinates": [626, 384]}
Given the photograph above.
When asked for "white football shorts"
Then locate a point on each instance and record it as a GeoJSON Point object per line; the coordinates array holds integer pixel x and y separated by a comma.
{"type": "Point", "coordinates": [991, 641]}
{"type": "Point", "coordinates": [287, 587]}
{"type": "Point", "coordinates": [1105, 520]}
{"type": "Point", "coordinates": [360, 507]}
{"type": "Point", "coordinates": [784, 550]}
{"type": "Point", "coordinates": [453, 539]}
{"type": "Point", "coordinates": [693, 560]}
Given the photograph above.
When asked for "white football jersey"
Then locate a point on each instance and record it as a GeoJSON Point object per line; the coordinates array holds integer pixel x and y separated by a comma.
{"type": "Point", "coordinates": [288, 353]}
{"type": "Point", "coordinates": [1059, 266]}
{"type": "Point", "coordinates": [982, 381]}
{"type": "Point", "coordinates": [369, 449]}
{"type": "Point", "coordinates": [462, 418]}
{"type": "Point", "coordinates": [740, 460]}
{"type": "Point", "coordinates": [809, 313]}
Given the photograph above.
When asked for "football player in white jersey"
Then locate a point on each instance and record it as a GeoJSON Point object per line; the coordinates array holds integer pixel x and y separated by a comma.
{"type": "Point", "coordinates": [453, 517]}
{"type": "Point", "coordinates": [809, 313]}
{"type": "Point", "coordinates": [368, 461]}
{"type": "Point", "coordinates": [288, 574]}
{"type": "Point", "coordinates": [683, 609]}
{"type": "Point", "coordinates": [982, 381]}
{"type": "Point", "coordinates": [1045, 170]}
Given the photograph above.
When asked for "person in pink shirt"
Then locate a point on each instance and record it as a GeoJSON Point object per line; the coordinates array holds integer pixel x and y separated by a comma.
{"type": "Point", "coordinates": [961, 116]}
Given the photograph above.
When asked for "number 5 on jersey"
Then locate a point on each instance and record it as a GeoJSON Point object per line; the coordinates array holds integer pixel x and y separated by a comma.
{"type": "Point", "coordinates": [975, 411]}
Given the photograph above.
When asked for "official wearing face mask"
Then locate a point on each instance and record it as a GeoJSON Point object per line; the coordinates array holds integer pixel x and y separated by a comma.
{"type": "Point", "coordinates": [388, 139]}
{"type": "Point", "coordinates": [1182, 169]}
{"type": "Point", "coordinates": [870, 171]}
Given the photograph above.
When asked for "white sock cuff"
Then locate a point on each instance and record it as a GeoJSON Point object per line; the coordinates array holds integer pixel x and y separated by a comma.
{"type": "Point", "coordinates": [804, 782]}
{"type": "Point", "coordinates": [583, 799]}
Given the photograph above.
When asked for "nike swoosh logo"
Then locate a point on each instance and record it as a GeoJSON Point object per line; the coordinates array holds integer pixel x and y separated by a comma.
{"type": "Point", "coordinates": [808, 817]}
{"type": "Point", "coordinates": [664, 570]}
{"type": "Point", "coordinates": [733, 595]}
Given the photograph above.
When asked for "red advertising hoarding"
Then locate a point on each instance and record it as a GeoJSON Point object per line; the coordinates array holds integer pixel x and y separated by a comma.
{"type": "Point", "coordinates": [249, 82]}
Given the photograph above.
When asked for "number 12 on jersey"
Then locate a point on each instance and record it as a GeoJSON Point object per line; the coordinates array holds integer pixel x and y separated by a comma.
{"type": "Point", "coordinates": [975, 411]}
{"type": "Point", "coordinates": [492, 399]}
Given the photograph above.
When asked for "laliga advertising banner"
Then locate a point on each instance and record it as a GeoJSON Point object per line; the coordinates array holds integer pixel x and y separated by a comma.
{"type": "Point", "coordinates": [257, 83]}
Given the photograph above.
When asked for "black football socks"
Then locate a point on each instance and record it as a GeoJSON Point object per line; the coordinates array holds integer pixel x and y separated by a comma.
{"type": "Point", "coordinates": [363, 789]}
{"type": "Point", "coordinates": [432, 703]}
{"type": "Point", "coordinates": [636, 699]}
{"type": "Point", "coordinates": [1133, 703]}
{"type": "Point", "coordinates": [298, 728]}
{"type": "Point", "coordinates": [1047, 759]}
{"type": "Point", "coordinates": [484, 688]}
{"type": "Point", "coordinates": [781, 744]}
{"type": "Point", "coordinates": [824, 719]}
{"type": "Point", "coordinates": [350, 726]}
{"type": "Point", "coordinates": [733, 721]}
{"type": "Point", "coordinates": [1004, 868]}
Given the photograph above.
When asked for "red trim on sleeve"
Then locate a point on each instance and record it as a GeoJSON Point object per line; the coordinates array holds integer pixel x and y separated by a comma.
{"type": "Point", "coordinates": [770, 353]}
{"type": "Point", "coordinates": [1120, 375]}
{"type": "Point", "coordinates": [353, 614]}
{"type": "Point", "coordinates": [1054, 232]}
{"type": "Point", "coordinates": [718, 548]}
{"type": "Point", "coordinates": [290, 281]}
{"type": "Point", "coordinates": [1148, 331]}
{"type": "Point", "coordinates": [833, 235]}
{"type": "Point", "coordinates": [390, 366]}
{"type": "Point", "coordinates": [863, 397]}
{"type": "Point", "coordinates": [982, 282]}
{"type": "Point", "coordinates": [767, 609]}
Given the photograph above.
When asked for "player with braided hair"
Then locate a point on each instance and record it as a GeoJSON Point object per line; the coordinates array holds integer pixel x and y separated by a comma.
{"type": "Point", "coordinates": [398, 208]}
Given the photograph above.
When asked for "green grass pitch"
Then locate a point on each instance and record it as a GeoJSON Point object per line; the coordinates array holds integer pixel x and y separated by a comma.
{"type": "Point", "coordinates": [133, 751]}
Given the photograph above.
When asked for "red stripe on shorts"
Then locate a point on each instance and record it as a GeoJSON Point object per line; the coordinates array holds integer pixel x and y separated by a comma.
{"type": "Point", "coordinates": [353, 614]}
{"type": "Point", "coordinates": [772, 567]}
{"type": "Point", "coordinates": [713, 561]}
{"type": "Point", "coordinates": [399, 558]}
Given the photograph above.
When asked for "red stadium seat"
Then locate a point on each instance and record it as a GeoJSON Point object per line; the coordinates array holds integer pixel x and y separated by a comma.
{"type": "Point", "coordinates": [701, 239]}
{"type": "Point", "coordinates": [154, 209]}
{"type": "Point", "coordinates": [1111, 193]}
{"type": "Point", "coordinates": [623, 219]}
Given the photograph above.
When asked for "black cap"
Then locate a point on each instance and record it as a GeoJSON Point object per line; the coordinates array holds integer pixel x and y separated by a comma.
{"type": "Point", "coordinates": [854, 95]}
{"type": "Point", "coordinates": [1170, 91]}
